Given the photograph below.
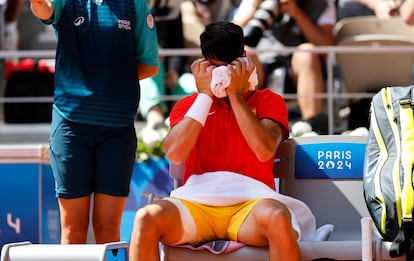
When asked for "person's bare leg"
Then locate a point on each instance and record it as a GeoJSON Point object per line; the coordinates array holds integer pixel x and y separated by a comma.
{"type": "Point", "coordinates": [107, 217]}
{"type": "Point", "coordinates": [154, 223]}
{"type": "Point", "coordinates": [13, 10]}
{"type": "Point", "coordinates": [309, 81]}
{"type": "Point", "coordinates": [155, 116]}
{"type": "Point", "coordinates": [74, 218]}
{"type": "Point", "coordinates": [269, 224]}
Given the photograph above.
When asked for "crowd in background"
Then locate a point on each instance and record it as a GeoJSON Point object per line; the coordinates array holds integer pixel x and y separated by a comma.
{"type": "Point", "coordinates": [302, 71]}
{"type": "Point", "coordinates": [302, 24]}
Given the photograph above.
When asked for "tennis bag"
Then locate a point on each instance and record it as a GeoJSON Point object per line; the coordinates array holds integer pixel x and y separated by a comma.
{"type": "Point", "coordinates": [388, 168]}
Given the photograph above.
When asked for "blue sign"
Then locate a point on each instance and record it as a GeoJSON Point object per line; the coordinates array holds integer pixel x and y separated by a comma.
{"type": "Point", "coordinates": [148, 177]}
{"type": "Point", "coordinates": [19, 216]}
{"type": "Point", "coordinates": [28, 209]}
{"type": "Point", "coordinates": [330, 160]}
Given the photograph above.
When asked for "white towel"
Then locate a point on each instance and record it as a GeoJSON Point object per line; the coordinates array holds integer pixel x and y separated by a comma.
{"type": "Point", "coordinates": [221, 79]}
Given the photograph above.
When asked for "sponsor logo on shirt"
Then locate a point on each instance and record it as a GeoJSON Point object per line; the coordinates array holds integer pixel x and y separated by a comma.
{"type": "Point", "coordinates": [124, 24]}
{"type": "Point", "coordinates": [253, 110]}
{"type": "Point", "coordinates": [79, 21]}
{"type": "Point", "coordinates": [150, 21]}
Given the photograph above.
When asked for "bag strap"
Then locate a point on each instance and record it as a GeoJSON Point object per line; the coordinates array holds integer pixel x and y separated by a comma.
{"type": "Point", "coordinates": [399, 245]}
{"type": "Point", "coordinates": [403, 243]}
{"type": "Point", "coordinates": [407, 157]}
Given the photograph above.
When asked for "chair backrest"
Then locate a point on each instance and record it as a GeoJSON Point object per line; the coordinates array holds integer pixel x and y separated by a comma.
{"type": "Point", "coordinates": [325, 172]}
{"type": "Point", "coordinates": [374, 70]}
{"type": "Point", "coordinates": [363, 25]}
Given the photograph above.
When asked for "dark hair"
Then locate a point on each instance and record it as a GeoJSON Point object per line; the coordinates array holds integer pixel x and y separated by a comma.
{"type": "Point", "coordinates": [223, 41]}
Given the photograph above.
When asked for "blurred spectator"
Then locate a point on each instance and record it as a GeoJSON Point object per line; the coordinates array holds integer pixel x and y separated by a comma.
{"type": "Point", "coordinates": [209, 11]}
{"type": "Point", "coordinates": [407, 11]}
{"type": "Point", "coordinates": [303, 24]}
{"type": "Point", "coordinates": [381, 8]}
{"type": "Point", "coordinates": [152, 107]}
{"type": "Point", "coordinates": [9, 15]}
{"type": "Point", "coordinates": [197, 13]}
{"type": "Point", "coordinates": [170, 79]}
{"type": "Point", "coordinates": [244, 11]}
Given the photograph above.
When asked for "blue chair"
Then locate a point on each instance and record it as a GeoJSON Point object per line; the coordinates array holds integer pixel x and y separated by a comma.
{"type": "Point", "coordinates": [325, 172]}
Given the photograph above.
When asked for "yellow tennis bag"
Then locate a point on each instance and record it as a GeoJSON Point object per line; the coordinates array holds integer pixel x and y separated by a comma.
{"type": "Point", "coordinates": [388, 167]}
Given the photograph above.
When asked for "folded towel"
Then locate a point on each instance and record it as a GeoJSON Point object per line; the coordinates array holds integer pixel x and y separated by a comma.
{"type": "Point", "coordinates": [227, 246]}
{"type": "Point", "coordinates": [227, 188]}
{"type": "Point", "coordinates": [223, 188]}
{"type": "Point", "coordinates": [221, 79]}
{"type": "Point", "coordinates": [216, 246]}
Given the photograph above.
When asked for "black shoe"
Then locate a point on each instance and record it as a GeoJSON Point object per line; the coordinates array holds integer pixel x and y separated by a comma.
{"type": "Point", "coordinates": [319, 123]}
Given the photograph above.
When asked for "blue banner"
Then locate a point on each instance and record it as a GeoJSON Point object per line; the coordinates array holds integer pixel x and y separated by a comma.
{"type": "Point", "coordinates": [329, 160]}
{"type": "Point", "coordinates": [151, 176]}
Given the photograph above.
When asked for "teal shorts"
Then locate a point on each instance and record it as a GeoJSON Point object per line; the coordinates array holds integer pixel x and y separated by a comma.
{"type": "Point", "coordinates": [89, 158]}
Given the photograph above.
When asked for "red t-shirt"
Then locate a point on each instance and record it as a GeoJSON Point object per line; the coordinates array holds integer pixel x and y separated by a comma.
{"type": "Point", "coordinates": [221, 145]}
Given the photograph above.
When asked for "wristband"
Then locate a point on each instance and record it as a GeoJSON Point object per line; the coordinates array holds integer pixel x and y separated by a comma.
{"type": "Point", "coordinates": [200, 108]}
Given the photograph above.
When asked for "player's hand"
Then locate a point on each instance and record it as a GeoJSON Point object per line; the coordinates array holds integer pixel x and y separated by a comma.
{"type": "Point", "coordinates": [202, 71]}
{"type": "Point", "coordinates": [240, 69]}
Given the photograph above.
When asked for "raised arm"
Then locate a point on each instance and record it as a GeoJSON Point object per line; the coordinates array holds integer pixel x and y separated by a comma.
{"type": "Point", "coordinates": [42, 9]}
{"type": "Point", "coordinates": [146, 71]}
{"type": "Point", "coordinates": [263, 136]}
{"type": "Point", "coordinates": [184, 135]}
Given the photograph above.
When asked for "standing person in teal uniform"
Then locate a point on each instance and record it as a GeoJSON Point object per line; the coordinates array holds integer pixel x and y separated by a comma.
{"type": "Point", "coordinates": [104, 48]}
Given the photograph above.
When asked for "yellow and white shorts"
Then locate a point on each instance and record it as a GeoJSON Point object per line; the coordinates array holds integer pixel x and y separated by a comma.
{"type": "Point", "coordinates": [203, 223]}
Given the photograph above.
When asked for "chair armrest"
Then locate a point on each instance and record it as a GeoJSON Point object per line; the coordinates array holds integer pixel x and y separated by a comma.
{"type": "Point", "coordinates": [366, 234]}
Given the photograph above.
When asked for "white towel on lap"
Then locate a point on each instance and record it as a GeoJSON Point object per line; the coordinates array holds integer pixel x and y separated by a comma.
{"type": "Point", "coordinates": [227, 188]}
